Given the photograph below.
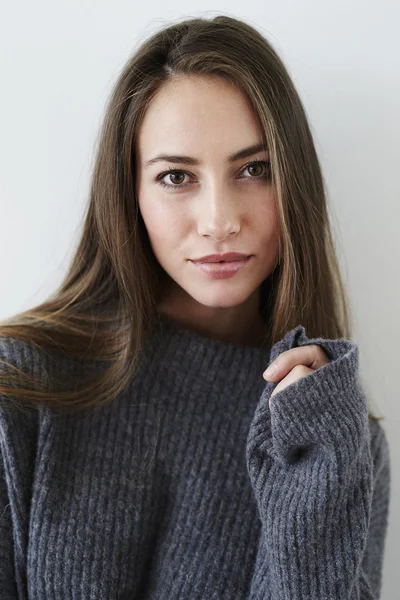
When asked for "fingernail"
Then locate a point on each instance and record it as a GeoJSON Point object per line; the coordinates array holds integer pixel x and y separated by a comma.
{"type": "Point", "coordinates": [272, 369]}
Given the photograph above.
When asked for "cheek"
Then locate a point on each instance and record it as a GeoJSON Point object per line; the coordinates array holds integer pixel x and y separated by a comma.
{"type": "Point", "coordinates": [264, 218]}
{"type": "Point", "coordinates": [152, 213]}
{"type": "Point", "coordinates": [165, 225]}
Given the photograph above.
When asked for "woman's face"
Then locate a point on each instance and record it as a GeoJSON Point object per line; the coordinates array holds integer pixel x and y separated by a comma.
{"type": "Point", "coordinates": [210, 204]}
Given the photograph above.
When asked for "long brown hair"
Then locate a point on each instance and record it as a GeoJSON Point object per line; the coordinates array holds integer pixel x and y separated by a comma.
{"type": "Point", "coordinates": [106, 306]}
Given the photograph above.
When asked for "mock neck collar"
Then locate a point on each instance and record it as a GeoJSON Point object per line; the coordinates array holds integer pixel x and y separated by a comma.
{"type": "Point", "coordinates": [194, 337]}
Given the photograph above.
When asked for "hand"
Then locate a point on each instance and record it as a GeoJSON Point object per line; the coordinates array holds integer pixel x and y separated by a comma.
{"type": "Point", "coordinates": [294, 364]}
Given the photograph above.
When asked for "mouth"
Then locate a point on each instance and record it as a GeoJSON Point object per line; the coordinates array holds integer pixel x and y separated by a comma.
{"type": "Point", "coordinates": [222, 269]}
{"type": "Point", "coordinates": [217, 258]}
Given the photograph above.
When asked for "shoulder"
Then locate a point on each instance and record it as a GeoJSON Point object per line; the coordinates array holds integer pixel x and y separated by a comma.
{"type": "Point", "coordinates": [26, 364]}
{"type": "Point", "coordinates": [15, 351]}
{"type": "Point", "coordinates": [22, 365]}
{"type": "Point", "coordinates": [21, 362]}
{"type": "Point", "coordinates": [380, 450]}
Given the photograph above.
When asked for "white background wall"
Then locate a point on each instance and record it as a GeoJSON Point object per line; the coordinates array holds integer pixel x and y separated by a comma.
{"type": "Point", "coordinates": [58, 61]}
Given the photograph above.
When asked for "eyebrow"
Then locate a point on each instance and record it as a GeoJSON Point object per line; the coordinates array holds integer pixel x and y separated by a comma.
{"type": "Point", "coordinates": [189, 160]}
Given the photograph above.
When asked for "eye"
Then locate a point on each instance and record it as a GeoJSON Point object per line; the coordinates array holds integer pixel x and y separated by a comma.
{"type": "Point", "coordinates": [264, 164]}
{"type": "Point", "coordinates": [174, 173]}
{"type": "Point", "coordinates": [265, 170]}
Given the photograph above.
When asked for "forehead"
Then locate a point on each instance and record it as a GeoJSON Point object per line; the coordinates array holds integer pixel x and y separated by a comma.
{"type": "Point", "coordinates": [194, 114]}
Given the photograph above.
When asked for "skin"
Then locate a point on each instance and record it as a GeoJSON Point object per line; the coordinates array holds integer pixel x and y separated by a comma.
{"type": "Point", "coordinates": [225, 206]}
{"type": "Point", "coordinates": [294, 364]}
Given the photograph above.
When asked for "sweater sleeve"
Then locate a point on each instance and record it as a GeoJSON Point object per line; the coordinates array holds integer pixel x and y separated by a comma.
{"type": "Point", "coordinates": [321, 481]}
{"type": "Point", "coordinates": [8, 589]}
{"type": "Point", "coordinates": [18, 435]}
{"type": "Point", "coordinates": [17, 446]}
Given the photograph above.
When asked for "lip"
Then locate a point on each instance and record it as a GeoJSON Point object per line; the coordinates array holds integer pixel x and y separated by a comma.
{"type": "Point", "coordinates": [227, 257]}
{"type": "Point", "coordinates": [222, 270]}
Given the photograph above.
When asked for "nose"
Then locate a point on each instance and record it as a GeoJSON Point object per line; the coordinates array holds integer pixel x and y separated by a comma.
{"type": "Point", "coordinates": [219, 215]}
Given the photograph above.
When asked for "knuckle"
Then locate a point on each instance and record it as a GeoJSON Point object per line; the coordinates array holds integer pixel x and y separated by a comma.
{"type": "Point", "coordinates": [300, 369]}
{"type": "Point", "coordinates": [322, 356]}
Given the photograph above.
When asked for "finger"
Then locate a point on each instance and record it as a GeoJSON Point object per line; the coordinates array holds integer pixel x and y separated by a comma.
{"type": "Point", "coordinates": [289, 379]}
{"type": "Point", "coordinates": [311, 356]}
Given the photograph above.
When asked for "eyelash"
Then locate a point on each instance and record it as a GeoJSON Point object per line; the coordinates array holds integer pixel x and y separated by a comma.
{"type": "Point", "coordinates": [266, 175]}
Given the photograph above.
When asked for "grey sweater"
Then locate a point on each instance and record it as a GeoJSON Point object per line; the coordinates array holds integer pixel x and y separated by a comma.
{"type": "Point", "coordinates": [188, 486]}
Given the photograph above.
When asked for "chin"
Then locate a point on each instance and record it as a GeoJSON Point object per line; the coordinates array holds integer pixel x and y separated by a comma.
{"type": "Point", "coordinates": [219, 298]}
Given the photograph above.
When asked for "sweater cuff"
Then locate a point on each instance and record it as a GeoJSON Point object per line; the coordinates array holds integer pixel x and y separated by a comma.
{"type": "Point", "coordinates": [326, 410]}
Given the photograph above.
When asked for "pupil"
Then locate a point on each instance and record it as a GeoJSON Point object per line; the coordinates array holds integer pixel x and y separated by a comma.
{"type": "Point", "coordinates": [255, 167]}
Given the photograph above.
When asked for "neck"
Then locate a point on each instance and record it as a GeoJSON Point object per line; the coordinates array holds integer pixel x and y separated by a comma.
{"type": "Point", "coordinates": [238, 325]}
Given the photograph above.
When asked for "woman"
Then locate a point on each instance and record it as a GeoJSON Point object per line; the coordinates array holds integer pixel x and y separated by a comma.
{"type": "Point", "coordinates": [145, 451]}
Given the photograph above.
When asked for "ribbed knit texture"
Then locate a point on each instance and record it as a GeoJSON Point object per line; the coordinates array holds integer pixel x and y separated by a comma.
{"type": "Point", "coordinates": [188, 486]}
